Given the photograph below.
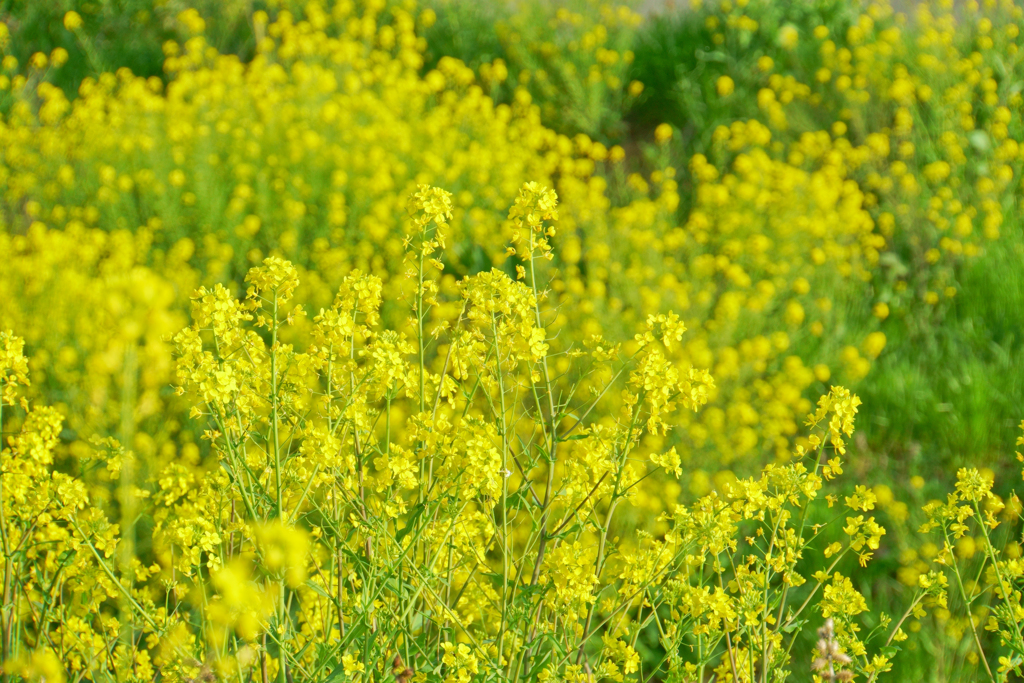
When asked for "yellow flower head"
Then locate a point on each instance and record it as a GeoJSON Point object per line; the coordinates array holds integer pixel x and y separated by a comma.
{"type": "Point", "coordinates": [725, 86]}
{"type": "Point", "coordinates": [276, 280]}
{"type": "Point", "coordinates": [839, 406]}
{"type": "Point", "coordinates": [788, 37]}
{"type": "Point", "coordinates": [72, 21]}
{"type": "Point", "coordinates": [13, 366]}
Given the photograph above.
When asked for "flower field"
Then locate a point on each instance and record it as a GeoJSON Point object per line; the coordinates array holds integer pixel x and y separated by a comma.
{"type": "Point", "coordinates": [382, 340]}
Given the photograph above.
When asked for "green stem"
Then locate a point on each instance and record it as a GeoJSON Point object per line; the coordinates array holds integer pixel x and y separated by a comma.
{"type": "Point", "coordinates": [990, 551]}
{"type": "Point", "coordinates": [799, 537]}
{"type": "Point", "coordinates": [110, 575]}
{"type": "Point", "coordinates": [970, 617]}
{"type": "Point", "coordinates": [896, 628]}
{"type": "Point", "coordinates": [8, 562]}
{"type": "Point", "coordinates": [504, 494]}
{"type": "Point", "coordinates": [274, 412]}
{"type": "Point", "coordinates": [419, 333]}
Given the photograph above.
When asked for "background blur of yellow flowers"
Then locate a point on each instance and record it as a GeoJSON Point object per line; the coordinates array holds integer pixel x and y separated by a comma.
{"type": "Point", "coordinates": [364, 339]}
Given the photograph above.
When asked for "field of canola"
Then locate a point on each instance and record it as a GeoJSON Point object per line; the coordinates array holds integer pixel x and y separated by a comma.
{"type": "Point", "coordinates": [368, 340]}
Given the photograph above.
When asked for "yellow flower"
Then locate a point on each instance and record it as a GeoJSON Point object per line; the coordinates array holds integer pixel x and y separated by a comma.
{"type": "Point", "coordinates": [59, 57]}
{"type": "Point", "coordinates": [788, 37]}
{"type": "Point", "coordinates": [192, 20]}
{"type": "Point", "coordinates": [725, 86]}
{"type": "Point", "coordinates": [873, 344]}
{"type": "Point", "coordinates": [72, 20]}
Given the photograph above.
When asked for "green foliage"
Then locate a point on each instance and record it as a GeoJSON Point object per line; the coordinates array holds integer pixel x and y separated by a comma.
{"type": "Point", "coordinates": [118, 33]}
{"type": "Point", "coordinates": [948, 385]}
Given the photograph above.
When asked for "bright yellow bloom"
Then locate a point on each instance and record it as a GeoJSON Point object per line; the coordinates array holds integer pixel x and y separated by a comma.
{"type": "Point", "coordinates": [72, 20]}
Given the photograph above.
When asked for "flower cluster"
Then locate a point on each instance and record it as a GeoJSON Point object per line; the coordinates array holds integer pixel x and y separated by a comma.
{"type": "Point", "coordinates": [451, 431]}
{"type": "Point", "coordinates": [365, 490]}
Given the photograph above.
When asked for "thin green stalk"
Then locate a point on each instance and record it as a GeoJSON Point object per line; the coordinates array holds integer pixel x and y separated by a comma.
{"type": "Point", "coordinates": [896, 628]}
{"type": "Point", "coordinates": [814, 591]}
{"type": "Point", "coordinates": [970, 617]}
{"type": "Point", "coordinates": [552, 433]}
{"type": "Point", "coordinates": [990, 551]}
{"type": "Point", "coordinates": [236, 471]}
{"type": "Point", "coordinates": [767, 586]}
{"type": "Point", "coordinates": [274, 420]}
{"type": "Point", "coordinates": [126, 482]}
{"type": "Point", "coordinates": [599, 565]}
{"type": "Point", "coordinates": [419, 333]}
{"type": "Point", "coordinates": [799, 536]}
{"type": "Point", "coordinates": [110, 575]}
{"type": "Point", "coordinates": [504, 494]}
{"type": "Point", "coordinates": [8, 562]}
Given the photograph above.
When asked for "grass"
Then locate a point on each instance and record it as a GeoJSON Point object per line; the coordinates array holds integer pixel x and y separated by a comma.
{"type": "Point", "coordinates": [118, 33]}
{"type": "Point", "coordinates": [950, 389]}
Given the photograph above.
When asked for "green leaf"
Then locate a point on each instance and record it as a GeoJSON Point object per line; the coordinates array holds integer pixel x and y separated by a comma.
{"type": "Point", "coordinates": [572, 528]}
{"type": "Point", "coordinates": [712, 56]}
{"type": "Point", "coordinates": [410, 525]}
{"type": "Point", "coordinates": [979, 140]}
{"type": "Point", "coordinates": [795, 626]}
{"type": "Point", "coordinates": [318, 590]}
{"type": "Point", "coordinates": [336, 676]}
